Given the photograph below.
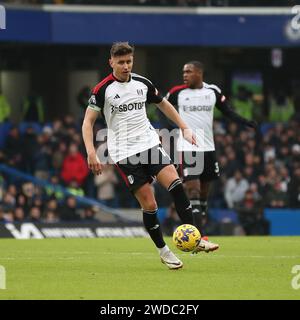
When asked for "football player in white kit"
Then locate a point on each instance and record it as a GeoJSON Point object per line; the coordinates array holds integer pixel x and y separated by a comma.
{"type": "Point", "coordinates": [121, 98]}
{"type": "Point", "coordinates": [195, 101]}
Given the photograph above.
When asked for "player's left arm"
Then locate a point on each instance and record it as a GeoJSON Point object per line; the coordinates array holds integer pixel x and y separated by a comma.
{"type": "Point", "coordinates": [228, 111]}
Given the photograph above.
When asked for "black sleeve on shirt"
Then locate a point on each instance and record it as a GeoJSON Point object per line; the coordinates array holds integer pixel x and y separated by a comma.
{"type": "Point", "coordinates": [173, 98]}
{"type": "Point", "coordinates": [227, 110]}
{"type": "Point", "coordinates": [97, 99]}
{"type": "Point", "coordinates": [153, 96]}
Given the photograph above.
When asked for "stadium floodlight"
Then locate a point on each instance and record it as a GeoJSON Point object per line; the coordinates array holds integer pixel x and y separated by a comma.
{"type": "Point", "coordinates": [2, 18]}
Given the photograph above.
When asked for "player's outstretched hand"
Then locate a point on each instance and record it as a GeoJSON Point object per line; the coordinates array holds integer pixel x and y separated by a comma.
{"type": "Point", "coordinates": [189, 136]}
{"type": "Point", "coordinates": [94, 164]}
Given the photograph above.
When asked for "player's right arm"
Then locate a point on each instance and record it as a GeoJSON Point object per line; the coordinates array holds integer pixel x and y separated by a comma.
{"type": "Point", "coordinates": [226, 109]}
{"type": "Point", "coordinates": [87, 134]}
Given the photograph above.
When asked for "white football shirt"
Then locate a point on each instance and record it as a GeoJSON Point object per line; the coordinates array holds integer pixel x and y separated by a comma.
{"type": "Point", "coordinates": [196, 108]}
{"type": "Point", "coordinates": [123, 105]}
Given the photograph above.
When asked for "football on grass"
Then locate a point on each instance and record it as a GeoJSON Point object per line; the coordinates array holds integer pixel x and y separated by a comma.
{"type": "Point", "coordinates": [186, 237]}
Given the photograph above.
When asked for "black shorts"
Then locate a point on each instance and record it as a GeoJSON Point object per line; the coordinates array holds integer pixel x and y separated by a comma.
{"type": "Point", "coordinates": [151, 162]}
{"type": "Point", "coordinates": [199, 165]}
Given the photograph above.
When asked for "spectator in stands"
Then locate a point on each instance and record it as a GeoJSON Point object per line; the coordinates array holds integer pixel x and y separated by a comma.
{"type": "Point", "coordinates": [74, 166]}
{"type": "Point", "coordinates": [42, 158]}
{"type": "Point", "coordinates": [105, 183]}
{"type": "Point", "coordinates": [29, 149]}
{"type": "Point", "coordinates": [8, 202]}
{"type": "Point", "coordinates": [5, 108]}
{"type": "Point", "coordinates": [58, 132]}
{"type": "Point", "coordinates": [296, 152]}
{"type": "Point", "coordinates": [235, 189]}
{"type": "Point", "coordinates": [250, 213]}
{"type": "Point", "coordinates": [34, 215]}
{"type": "Point", "coordinates": [38, 202]}
{"type": "Point", "coordinates": [28, 192]}
{"type": "Point", "coordinates": [74, 189]}
{"type": "Point", "coordinates": [275, 197]}
{"type": "Point", "coordinates": [284, 156]}
{"type": "Point", "coordinates": [68, 210]}
{"type": "Point", "coordinates": [69, 123]}
{"type": "Point", "coordinates": [58, 157]}
{"type": "Point", "coordinates": [54, 189]}
{"type": "Point", "coordinates": [285, 177]}
{"type": "Point", "coordinates": [269, 153]}
{"type": "Point", "coordinates": [2, 187]}
{"type": "Point", "coordinates": [89, 215]}
{"type": "Point", "coordinates": [19, 214]}
{"type": "Point", "coordinates": [50, 217]}
{"type": "Point", "coordinates": [2, 220]}
{"type": "Point", "coordinates": [12, 189]}
{"type": "Point", "coordinates": [51, 205]}
{"type": "Point", "coordinates": [9, 216]}
{"type": "Point", "coordinates": [12, 193]}
{"type": "Point", "coordinates": [13, 147]}
{"type": "Point", "coordinates": [249, 174]}
{"type": "Point", "coordinates": [21, 202]}
{"type": "Point", "coordinates": [232, 163]}
{"type": "Point", "coordinates": [294, 189]}
{"type": "Point", "coordinates": [2, 159]}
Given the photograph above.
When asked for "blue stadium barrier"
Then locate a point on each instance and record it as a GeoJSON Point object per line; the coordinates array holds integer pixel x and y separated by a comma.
{"type": "Point", "coordinates": [195, 26]}
{"type": "Point", "coordinates": [43, 183]}
{"type": "Point", "coordinates": [283, 222]}
{"type": "Point", "coordinates": [224, 215]}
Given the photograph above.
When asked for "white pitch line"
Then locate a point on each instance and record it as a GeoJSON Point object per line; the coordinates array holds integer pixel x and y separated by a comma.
{"type": "Point", "coordinates": [153, 254]}
{"type": "Point", "coordinates": [255, 257]}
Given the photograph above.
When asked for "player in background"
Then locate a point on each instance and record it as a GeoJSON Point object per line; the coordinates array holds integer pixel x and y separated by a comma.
{"type": "Point", "coordinates": [121, 98]}
{"type": "Point", "coordinates": [195, 101]}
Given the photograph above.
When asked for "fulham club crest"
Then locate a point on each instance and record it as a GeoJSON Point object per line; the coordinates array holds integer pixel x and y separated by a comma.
{"type": "Point", "coordinates": [130, 179]}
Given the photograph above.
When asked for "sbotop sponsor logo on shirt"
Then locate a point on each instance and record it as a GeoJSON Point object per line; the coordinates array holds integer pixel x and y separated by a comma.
{"type": "Point", "coordinates": [127, 107]}
{"type": "Point", "coordinates": [2, 18]}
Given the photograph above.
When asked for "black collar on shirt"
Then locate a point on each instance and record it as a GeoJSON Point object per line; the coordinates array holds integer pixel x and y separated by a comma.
{"type": "Point", "coordinates": [116, 79]}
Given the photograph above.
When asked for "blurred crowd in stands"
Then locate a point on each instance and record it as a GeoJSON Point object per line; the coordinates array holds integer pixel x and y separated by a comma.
{"type": "Point", "coordinates": [183, 3]}
{"type": "Point", "coordinates": [258, 170]}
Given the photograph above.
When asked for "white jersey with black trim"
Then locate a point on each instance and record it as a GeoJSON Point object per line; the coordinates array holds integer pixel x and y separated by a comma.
{"type": "Point", "coordinates": [123, 105]}
{"type": "Point", "coordinates": [196, 108]}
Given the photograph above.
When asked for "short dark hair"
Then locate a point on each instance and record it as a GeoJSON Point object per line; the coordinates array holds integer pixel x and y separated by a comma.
{"type": "Point", "coordinates": [197, 64]}
{"type": "Point", "coordinates": [121, 49]}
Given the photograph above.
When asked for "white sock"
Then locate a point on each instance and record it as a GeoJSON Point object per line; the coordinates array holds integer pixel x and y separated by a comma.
{"type": "Point", "coordinates": [163, 250]}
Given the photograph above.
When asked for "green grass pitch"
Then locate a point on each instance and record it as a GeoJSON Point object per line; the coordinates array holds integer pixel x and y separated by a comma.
{"type": "Point", "coordinates": [130, 269]}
